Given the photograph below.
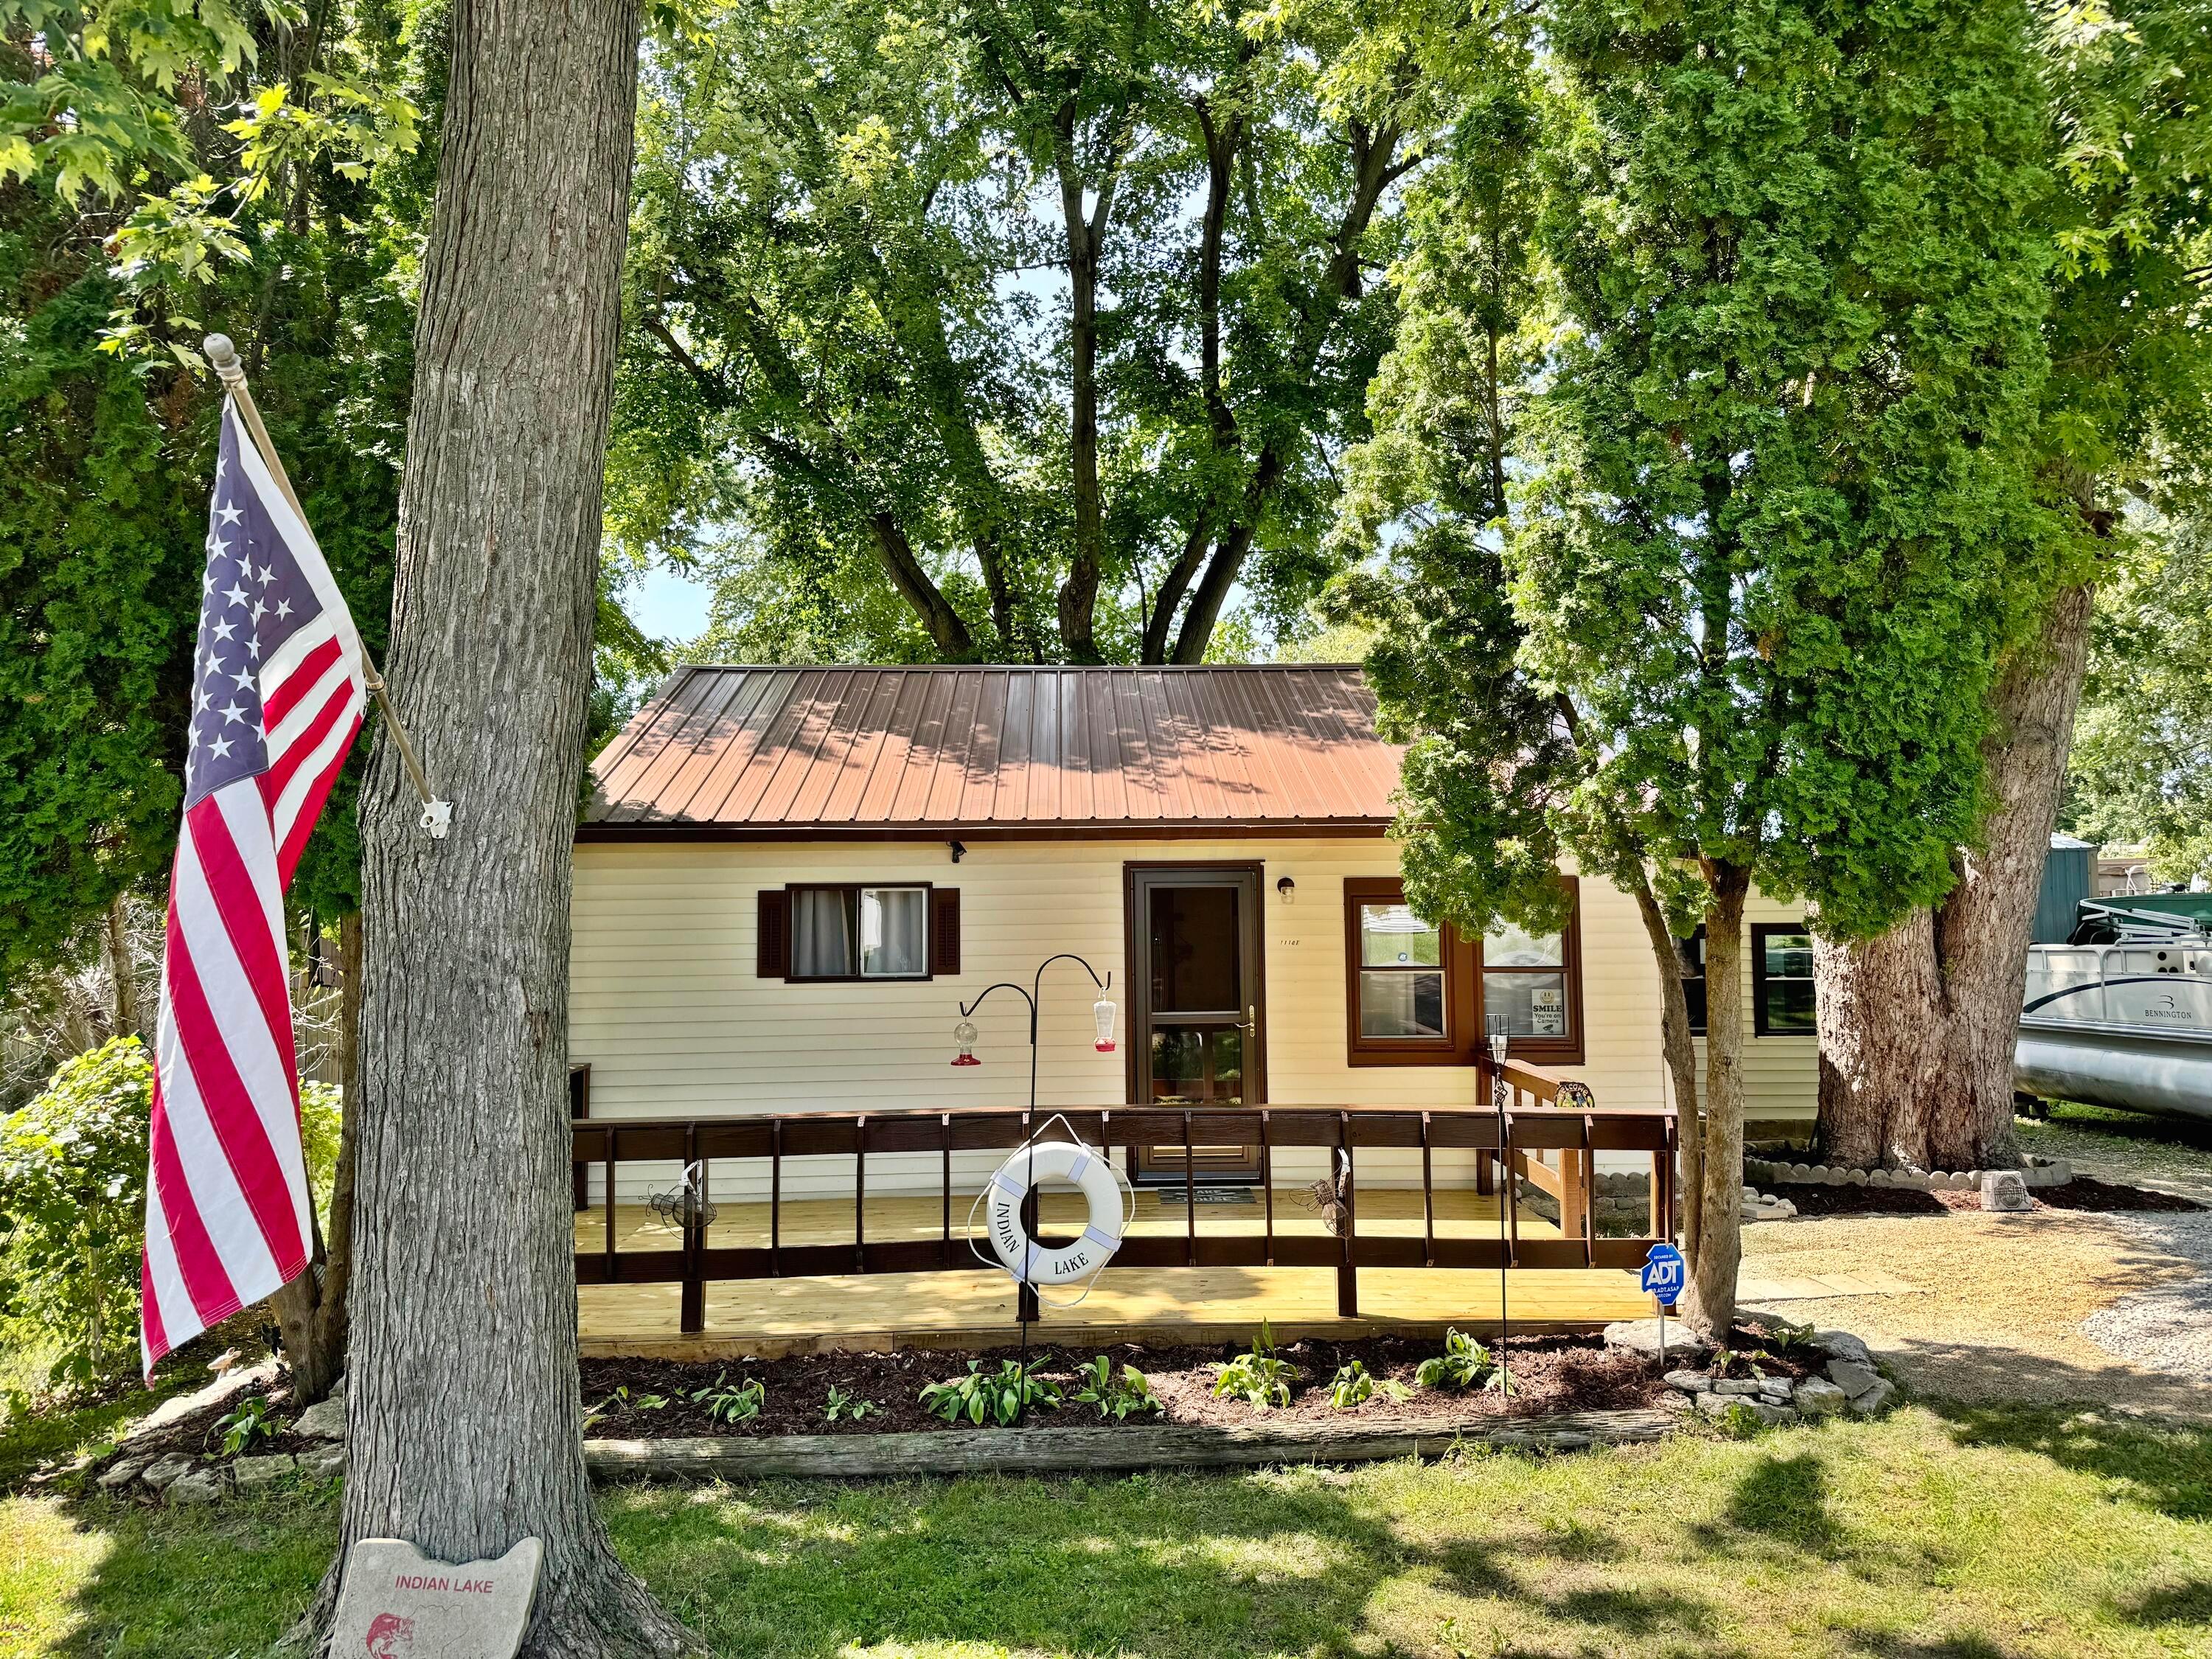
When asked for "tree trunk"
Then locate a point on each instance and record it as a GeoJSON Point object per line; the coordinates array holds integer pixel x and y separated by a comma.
{"type": "Point", "coordinates": [1079, 593]}
{"type": "Point", "coordinates": [1719, 1195]}
{"type": "Point", "coordinates": [464, 1419]}
{"type": "Point", "coordinates": [1679, 1049]}
{"type": "Point", "coordinates": [1917, 1026]}
{"type": "Point", "coordinates": [311, 1311]}
{"type": "Point", "coordinates": [124, 969]}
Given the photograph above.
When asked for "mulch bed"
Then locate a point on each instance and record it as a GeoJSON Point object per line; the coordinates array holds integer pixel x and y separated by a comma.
{"type": "Point", "coordinates": [2083, 1193]}
{"type": "Point", "coordinates": [1550, 1374]}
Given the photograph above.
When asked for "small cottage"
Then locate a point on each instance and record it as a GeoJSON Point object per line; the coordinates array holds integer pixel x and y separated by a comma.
{"type": "Point", "coordinates": [792, 885]}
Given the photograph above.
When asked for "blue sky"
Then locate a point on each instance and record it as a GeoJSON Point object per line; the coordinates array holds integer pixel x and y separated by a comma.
{"type": "Point", "coordinates": [668, 606]}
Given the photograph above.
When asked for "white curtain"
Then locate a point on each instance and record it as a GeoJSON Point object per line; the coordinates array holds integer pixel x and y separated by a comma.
{"type": "Point", "coordinates": [894, 931]}
{"type": "Point", "coordinates": [822, 933]}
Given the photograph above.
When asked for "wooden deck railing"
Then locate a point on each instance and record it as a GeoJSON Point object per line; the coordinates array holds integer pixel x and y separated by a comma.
{"type": "Point", "coordinates": [1531, 1124]}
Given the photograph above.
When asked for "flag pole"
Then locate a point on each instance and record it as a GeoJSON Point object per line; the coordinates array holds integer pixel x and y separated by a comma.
{"type": "Point", "coordinates": [436, 813]}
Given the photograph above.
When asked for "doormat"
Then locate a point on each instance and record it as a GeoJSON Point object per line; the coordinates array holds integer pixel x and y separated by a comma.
{"type": "Point", "coordinates": [1208, 1195]}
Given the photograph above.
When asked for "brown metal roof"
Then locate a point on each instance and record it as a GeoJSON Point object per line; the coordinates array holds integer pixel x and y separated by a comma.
{"type": "Point", "coordinates": [876, 752]}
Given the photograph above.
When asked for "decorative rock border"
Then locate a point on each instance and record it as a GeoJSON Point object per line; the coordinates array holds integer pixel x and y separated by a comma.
{"type": "Point", "coordinates": [2039, 1172]}
{"type": "Point", "coordinates": [1852, 1381]}
{"type": "Point", "coordinates": [1057, 1451]}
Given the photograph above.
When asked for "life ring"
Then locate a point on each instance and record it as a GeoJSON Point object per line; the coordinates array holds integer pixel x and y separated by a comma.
{"type": "Point", "coordinates": [1050, 1160]}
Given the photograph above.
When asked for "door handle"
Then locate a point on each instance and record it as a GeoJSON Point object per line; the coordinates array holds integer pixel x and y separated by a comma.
{"type": "Point", "coordinates": [1250, 1024]}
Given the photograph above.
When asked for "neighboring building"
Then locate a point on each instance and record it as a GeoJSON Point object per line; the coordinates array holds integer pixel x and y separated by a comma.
{"type": "Point", "coordinates": [788, 879]}
{"type": "Point", "coordinates": [2123, 869]}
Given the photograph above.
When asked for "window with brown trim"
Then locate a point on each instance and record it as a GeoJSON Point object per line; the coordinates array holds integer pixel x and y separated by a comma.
{"type": "Point", "coordinates": [1533, 983]}
{"type": "Point", "coordinates": [1409, 987]}
{"type": "Point", "coordinates": [860, 932]}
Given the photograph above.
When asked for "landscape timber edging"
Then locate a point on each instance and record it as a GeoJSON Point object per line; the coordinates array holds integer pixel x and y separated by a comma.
{"type": "Point", "coordinates": [1163, 1445]}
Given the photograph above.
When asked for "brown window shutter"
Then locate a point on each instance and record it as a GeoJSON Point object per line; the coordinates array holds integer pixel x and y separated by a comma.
{"type": "Point", "coordinates": [774, 934]}
{"type": "Point", "coordinates": [943, 930]}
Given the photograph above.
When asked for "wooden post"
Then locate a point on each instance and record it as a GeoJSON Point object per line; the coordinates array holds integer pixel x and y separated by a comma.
{"type": "Point", "coordinates": [1428, 1200]}
{"type": "Point", "coordinates": [612, 1135]}
{"type": "Point", "coordinates": [691, 1317]}
{"type": "Point", "coordinates": [1347, 1275]}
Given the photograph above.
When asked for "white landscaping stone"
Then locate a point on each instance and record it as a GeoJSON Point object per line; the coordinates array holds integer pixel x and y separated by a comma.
{"type": "Point", "coordinates": [1878, 1178]}
{"type": "Point", "coordinates": [1816, 1396]}
{"type": "Point", "coordinates": [121, 1472]}
{"type": "Point", "coordinates": [164, 1470]}
{"type": "Point", "coordinates": [1852, 1378]}
{"type": "Point", "coordinates": [261, 1471]}
{"type": "Point", "coordinates": [1876, 1399]}
{"type": "Point", "coordinates": [202, 1485]}
{"type": "Point", "coordinates": [324, 1420]}
{"type": "Point", "coordinates": [1642, 1336]}
{"type": "Point", "coordinates": [1842, 1344]}
{"type": "Point", "coordinates": [397, 1599]}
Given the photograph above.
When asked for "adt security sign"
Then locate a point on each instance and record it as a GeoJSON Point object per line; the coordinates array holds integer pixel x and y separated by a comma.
{"type": "Point", "coordinates": [1664, 1273]}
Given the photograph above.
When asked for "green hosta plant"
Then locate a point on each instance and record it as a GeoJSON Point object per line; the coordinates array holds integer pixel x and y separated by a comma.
{"type": "Point", "coordinates": [621, 1400]}
{"type": "Point", "coordinates": [843, 1404]}
{"type": "Point", "coordinates": [1001, 1396]}
{"type": "Point", "coordinates": [1464, 1363]}
{"type": "Point", "coordinates": [1355, 1385]}
{"type": "Point", "coordinates": [728, 1405]}
{"type": "Point", "coordinates": [1117, 1397]}
{"type": "Point", "coordinates": [1260, 1378]}
{"type": "Point", "coordinates": [246, 1422]}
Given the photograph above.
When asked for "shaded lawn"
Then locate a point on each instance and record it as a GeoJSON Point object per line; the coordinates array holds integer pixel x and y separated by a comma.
{"type": "Point", "coordinates": [1979, 1533]}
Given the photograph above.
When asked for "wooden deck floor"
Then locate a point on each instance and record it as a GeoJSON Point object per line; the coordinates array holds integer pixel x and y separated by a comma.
{"type": "Point", "coordinates": [963, 1309]}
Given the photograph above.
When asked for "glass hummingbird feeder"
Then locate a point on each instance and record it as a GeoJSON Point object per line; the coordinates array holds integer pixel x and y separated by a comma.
{"type": "Point", "coordinates": [964, 1034]}
{"type": "Point", "coordinates": [1102, 1011]}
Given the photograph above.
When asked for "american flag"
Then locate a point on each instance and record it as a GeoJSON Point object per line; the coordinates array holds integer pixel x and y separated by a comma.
{"type": "Point", "coordinates": [277, 696]}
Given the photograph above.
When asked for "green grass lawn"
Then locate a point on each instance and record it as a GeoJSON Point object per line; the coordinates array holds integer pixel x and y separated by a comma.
{"type": "Point", "coordinates": [1972, 1533]}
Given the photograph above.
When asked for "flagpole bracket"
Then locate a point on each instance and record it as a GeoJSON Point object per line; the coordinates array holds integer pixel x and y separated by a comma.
{"type": "Point", "coordinates": [437, 817]}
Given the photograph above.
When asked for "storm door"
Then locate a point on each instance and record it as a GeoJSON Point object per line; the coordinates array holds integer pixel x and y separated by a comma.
{"type": "Point", "coordinates": [1196, 1022]}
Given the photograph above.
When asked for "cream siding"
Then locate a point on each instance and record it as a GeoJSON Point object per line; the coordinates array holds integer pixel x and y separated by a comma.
{"type": "Point", "coordinates": [667, 1009]}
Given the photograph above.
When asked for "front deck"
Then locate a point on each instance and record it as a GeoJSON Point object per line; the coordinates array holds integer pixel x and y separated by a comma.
{"type": "Point", "coordinates": [964, 1308]}
{"type": "Point", "coordinates": [878, 1269]}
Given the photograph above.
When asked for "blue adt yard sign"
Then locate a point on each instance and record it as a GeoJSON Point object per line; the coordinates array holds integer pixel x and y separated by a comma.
{"type": "Point", "coordinates": [1664, 1273]}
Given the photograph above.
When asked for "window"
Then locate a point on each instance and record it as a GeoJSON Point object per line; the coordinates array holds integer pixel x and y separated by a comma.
{"type": "Point", "coordinates": [1690, 962]}
{"type": "Point", "coordinates": [1402, 973]}
{"type": "Point", "coordinates": [1532, 982]}
{"type": "Point", "coordinates": [1417, 993]}
{"type": "Point", "coordinates": [860, 933]}
{"type": "Point", "coordinates": [1781, 979]}
{"type": "Point", "coordinates": [1409, 985]}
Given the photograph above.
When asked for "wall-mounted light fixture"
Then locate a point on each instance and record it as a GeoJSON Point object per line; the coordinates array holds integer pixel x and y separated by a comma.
{"type": "Point", "coordinates": [1288, 889]}
{"type": "Point", "coordinates": [959, 850]}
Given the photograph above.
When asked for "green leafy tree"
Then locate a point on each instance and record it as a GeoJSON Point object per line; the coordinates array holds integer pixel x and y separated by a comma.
{"type": "Point", "coordinates": [1775, 482]}
{"type": "Point", "coordinates": [1025, 331]}
{"type": "Point", "coordinates": [2141, 766]}
{"type": "Point", "coordinates": [1917, 1026]}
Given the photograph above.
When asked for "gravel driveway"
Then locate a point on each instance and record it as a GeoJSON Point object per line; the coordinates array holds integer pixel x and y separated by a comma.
{"type": "Point", "coordinates": [2062, 1306]}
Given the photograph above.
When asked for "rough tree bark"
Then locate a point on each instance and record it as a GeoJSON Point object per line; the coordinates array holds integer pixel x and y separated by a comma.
{"type": "Point", "coordinates": [123, 969]}
{"type": "Point", "coordinates": [1680, 1050]}
{"type": "Point", "coordinates": [311, 1311]}
{"type": "Point", "coordinates": [1917, 1027]}
{"type": "Point", "coordinates": [1718, 1196]}
{"type": "Point", "coordinates": [463, 1419]}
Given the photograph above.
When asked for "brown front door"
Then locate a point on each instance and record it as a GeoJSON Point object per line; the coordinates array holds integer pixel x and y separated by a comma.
{"type": "Point", "coordinates": [1197, 1024]}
